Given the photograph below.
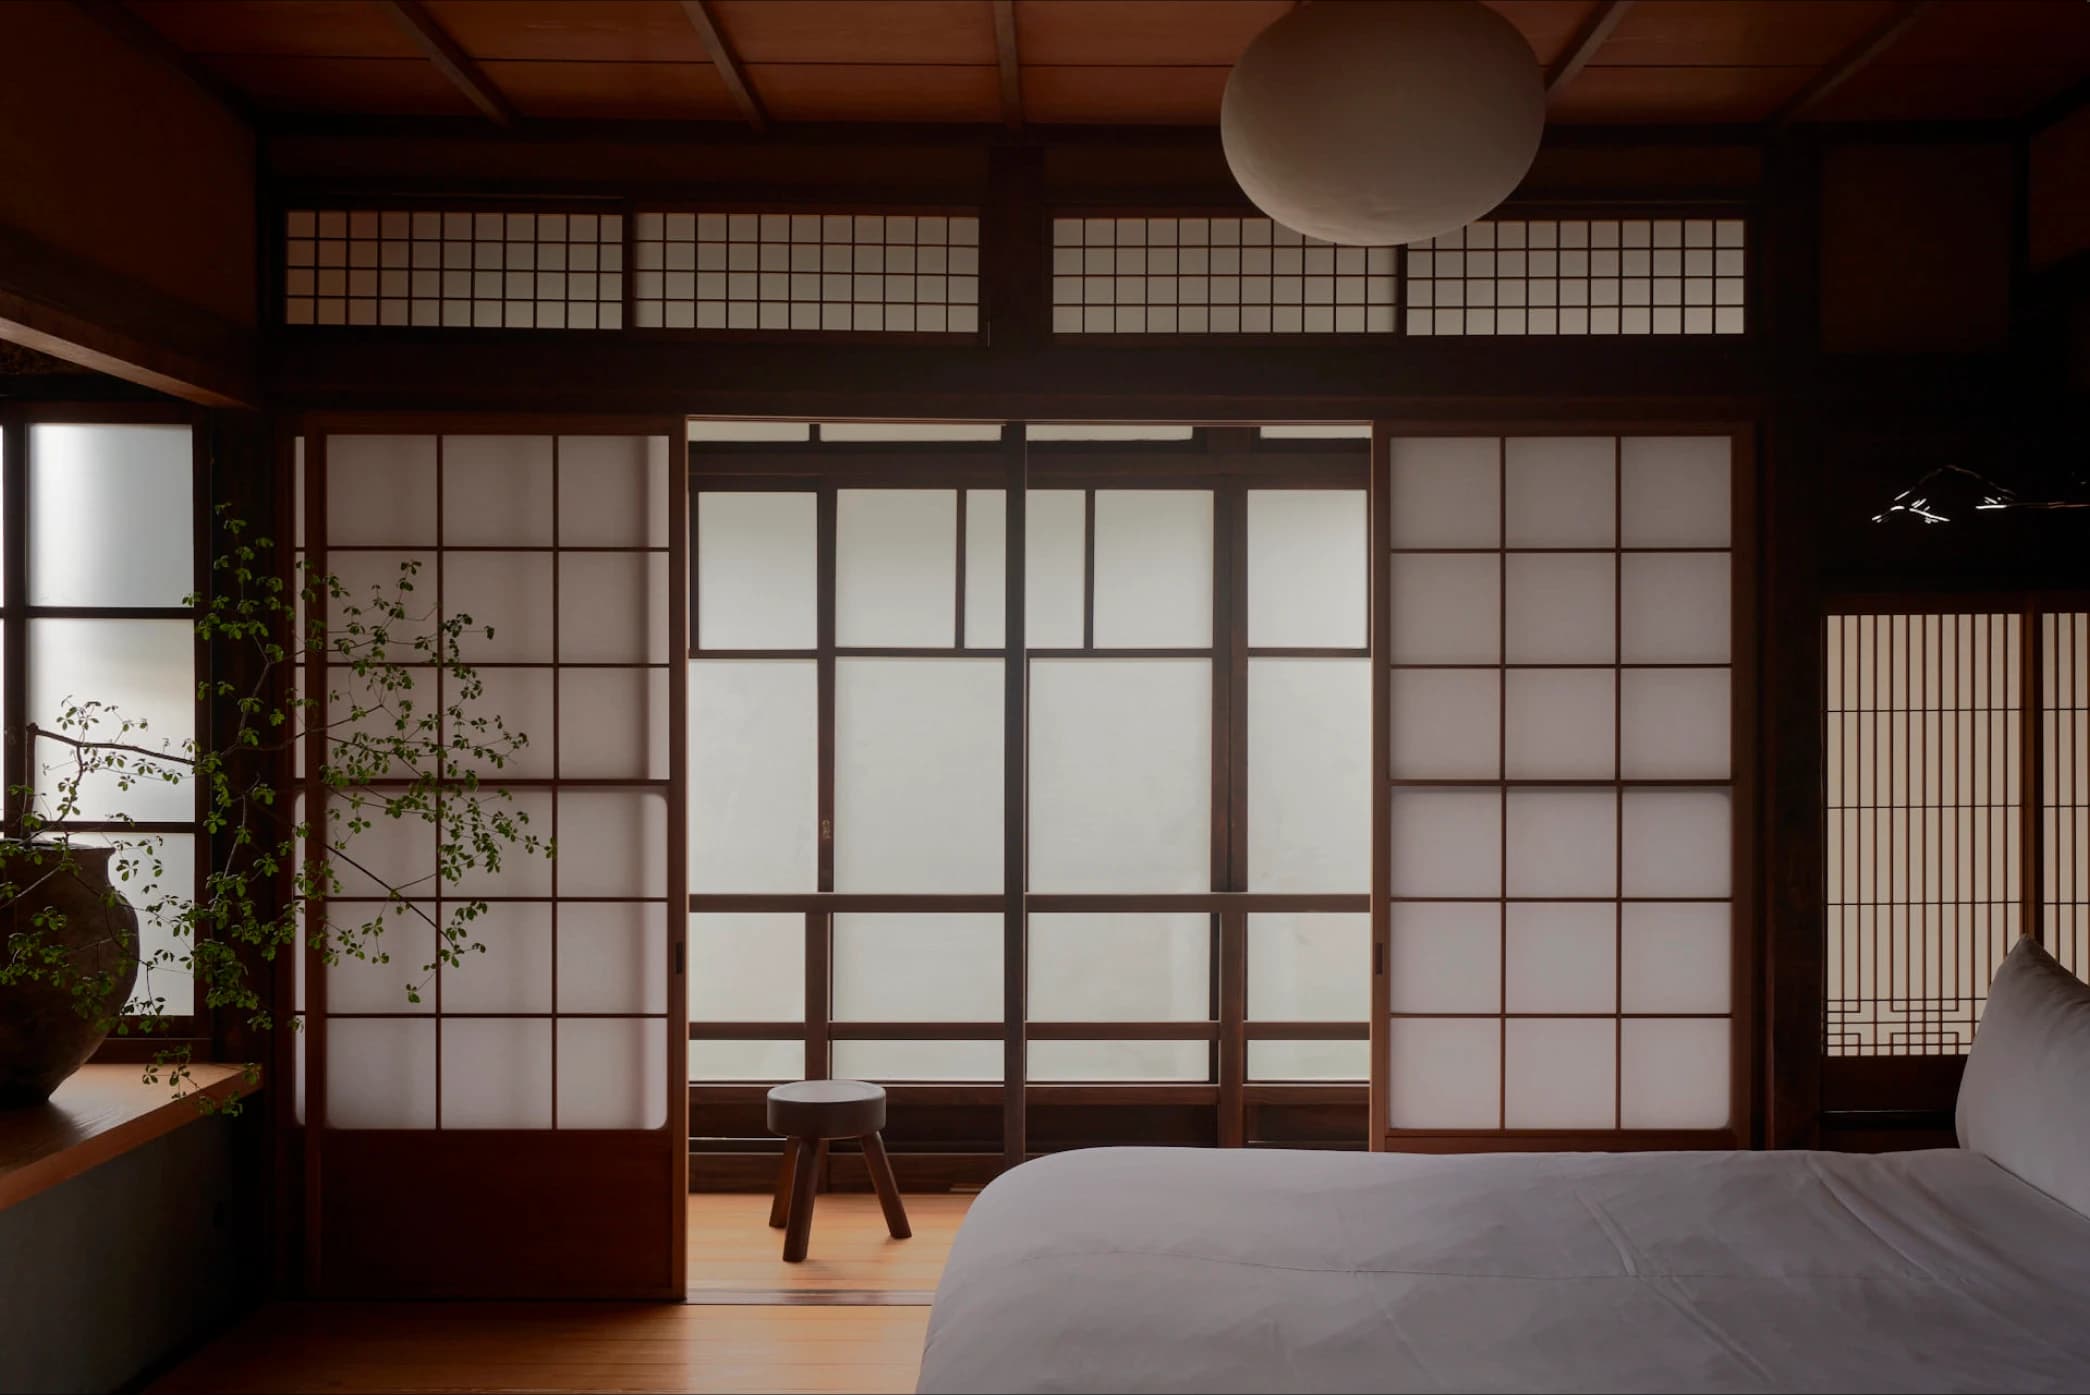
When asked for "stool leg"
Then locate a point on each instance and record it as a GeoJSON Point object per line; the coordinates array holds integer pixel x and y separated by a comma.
{"type": "Point", "coordinates": [780, 1203]}
{"type": "Point", "coordinates": [798, 1225]}
{"type": "Point", "coordinates": [888, 1189]}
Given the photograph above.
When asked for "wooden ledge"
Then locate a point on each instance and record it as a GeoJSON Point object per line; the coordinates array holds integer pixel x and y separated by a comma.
{"type": "Point", "coordinates": [101, 1113]}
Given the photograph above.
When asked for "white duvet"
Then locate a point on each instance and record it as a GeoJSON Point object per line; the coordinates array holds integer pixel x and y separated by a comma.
{"type": "Point", "coordinates": [1137, 1269]}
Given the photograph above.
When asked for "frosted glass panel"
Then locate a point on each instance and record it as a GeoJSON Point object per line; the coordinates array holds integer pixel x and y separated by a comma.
{"type": "Point", "coordinates": [1153, 568]}
{"type": "Point", "coordinates": [520, 873]}
{"type": "Point", "coordinates": [511, 970]}
{"type": "Point", "coordinates": [747, 1060]}
{"type": "Point", "coordinates": [1676, 491]}
{"type": "Point", "coordinates": [896, 566]}
{"type": "Point", "coordinates": [1447, 724]}
{"type": "Point", "coordinates": [1446, 608]}
{"type": "Point", "coordinates": [1674, 1073]}
{"type": "Point", "coordinates": [613, 491]}
{"type": "Point", "coordinates": [917, 968]}
{"type": "Point", "coordinates": [111, 512]}
{"type": "Point", "coordinates": [522, 698]}
{"type": "Point", "coordinates": [1678, 843]}
{"type": "Point", "coordinates": [1447, 842]}
{"type": "Point", "coordinates": [1309, 968]}
{"type": "Point", "coordinates": [1675, 608]}
{"type": "Point", "coordinates": [986, 568]}
{"type": "Point", "coordinates": [381, 490]}
{"type": "Point", "coordinates": [1446, 491]}
{"type": "Point", "coordinates": [1561, 491]}
{"type": "Point", "coordinates": [507, 593]}
{"type": "Point", "coordinates": [1444, 1072]}
{"type": "Point", "coordinates": [380, 1073]}
{"type": "Point", "coordinates": [396, 965]}
{"type": "Point", "coordinates": [1120, 1060]}
{"type": "Point", "coordinates": [1561, 723]}
{"type": "Point", "coordinates": [1120, 775]}
{"type": "Point", "coordinates": [613, 843]}
{"type": "Point", "coordinates": [1673, 723]}
{"type": "Point", "coordinates": [1562, 956]}
{"type": "Point", "coordinates": [753, 776]}
{"type": "Point", "coordinates": [918, 774]}
{"type": "Point", "coordinates": [1678, 957]}
{"type": "Point", "coordinates": [1309, 1060]}
{"type": "Point", "coordinates": [1309, 775]}
{"type": "Point", "coordinates": [1120, 968]}
{"type": "Point", "coordinates": [1563, 843]}
{"type": "Point", "coordinates": [1054, 561]}
{"type": "Point", "coordinates": [1307, 560]}
{"type": "Point", "coordinates": [497, 491]}
{"type": "Point", "coordinates": [917, 1060]}
{"type": "Point", "coordinates": [497, 1073]}
{"type": "Point", "coordinates": [146, 671]}
{"type": "Point", "coordinates": [613, 958]}
{"type": "Point", "coordinates": [613, 723]}
{"type": "Point", "coordinates": [1446, 957]}
{"type": "Point", "coordinates": [747, 966]}
{"type": "Point", "coordinates": [757, 571]}
{"type": "Point", "coordinates": [159, 897]}
{"type": "Point", "coordinates": [1561, 1073]}
{"type": "Point", "coordinates": [613, 608]}
{"type": "Point", "coordinates": [613, 1074]}
{"type": "Point", "coordinates": [1560, 608]}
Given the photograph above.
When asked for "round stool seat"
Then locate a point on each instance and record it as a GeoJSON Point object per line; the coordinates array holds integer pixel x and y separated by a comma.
{"type": "Point", "coordinates": [827, 1109]}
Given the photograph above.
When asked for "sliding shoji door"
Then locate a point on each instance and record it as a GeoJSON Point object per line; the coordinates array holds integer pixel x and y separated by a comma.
{"type": "Point", "coordinates": [515, 1126]}
{"type": "Point", "coordinates": [1565, 800]}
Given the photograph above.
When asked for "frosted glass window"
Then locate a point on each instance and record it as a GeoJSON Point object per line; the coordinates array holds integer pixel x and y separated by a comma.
{"type": "Point", "coordinates": [1444, 1072]}
{"type": "Point", "coordinates": [613, 843]}
{"type": "Point", "coordinates": [1561, 723]}
{"type": "Point", "coordinates": [506, 593]}
{"type": "Point", "coordinates": [1561, 1073]}
{"type": "Point", "coordinates": [1673, 1073]}
{"type": "Point", "coordinates": [1446, 608]}
{"type": "Point", "coordinates": [986, 568]}
{"type": "Point", "coordinates": [497, 491]}
{"type": "Point", "coordinates": [917, 968]}
{"type": "Point", "coordinates": [1675, 608]}
{"type": "Point", "coordinates": [1674, 723]}
{"type": "Point", "coordinates": [917, 1060]}
{"type": "Point", "coordinates": [146, 671]}
{"type": "Point", "coordinates": [747, 966]}
{"type": "Point", "coordinates": [613, 958]}
{"type": "Point", "coordinates": [896, 566]}
{"type": "Point", "coordinates": [511, 968]}
{"type": "Point", "coordinates": [1563, 956]}
{"type": "Point", "coordinates": [1121, 968]}
{"type": "Point", "coordinates": [111, 512]}
{"type": "Point", "coordinates": [747, 1060]}
{"type": "Point", "coordinates": [158, 898]}
{"type": "Point", "coordinates": [1120, 1060]}
{"type": "Point", "coordinates": [918, 774]}
{"type": "Point", "coordinates": [1447, 842]}
{"type": "Point", "coordinates": [1309, 1060]}
{"type": "Point", "coordinates": [1153, 568]}
{"type": "Point", "coordinates": [1447, 491]}
{"type": "Point", "coordinates": [613, 1074]}
{"type": "Point", "coordinates": [613, 608]}
{"type": "Point", "coordinates": [613, 723]}
{"type": "Point", "coordinates": [1307, 562]}
{"type": "Point", "coordinates": [1561, 491]}
{"type": "Point", "coordinates": [497, 1073]}
{"type": "Point", "coordinates": [1447, 724]}
{"type": "Point", "coordinates": [520, 873]}
{"type": "Point", "coordinates": [381, 490]}
{"type": "Point", "coordinates": [380, 1073]}
{"type": "Point", "coordinates": [757, 571]}
{"type": "Point", "coordinates": [613, 491]}
{"type": "Point", "coordinates": [396, 963]}
{"type": "Point", "coordinates": [1563, 842]}
{"type": "Point", "coordinates": [1309, 775]}
{"type": "Point", "coordinates": [754, 776]}
{"type": "Point", "coordinates": [1446, 956]}
{"type": "Point", "coordinates": [1677, 957]}
{"type": "Point", "coordinates": [1559, 608]}
{"type": "Point", "coordinates": [1121, 775]}
{"type": "Point", "coordinates": [1055, 535]}
{"type": "Point", "coordinates": [1678, 843]}
{"type": "Point", "coordinates": [1309, 968]}
{"type": "Point", "coordinates": [521, 698]}
{"type": "Point", "coordinates": [1677, 490]}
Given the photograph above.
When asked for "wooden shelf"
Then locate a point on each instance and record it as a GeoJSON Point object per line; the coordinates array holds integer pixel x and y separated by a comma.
{"type": "Point", "coordinates": [101, 1113]}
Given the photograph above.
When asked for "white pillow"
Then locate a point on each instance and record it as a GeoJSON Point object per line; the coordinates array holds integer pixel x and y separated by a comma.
{"type": "Point", "coordinates": [2025, 1100]}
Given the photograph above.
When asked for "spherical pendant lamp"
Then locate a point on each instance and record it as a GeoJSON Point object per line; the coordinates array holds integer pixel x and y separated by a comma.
{"type": "Point", "coordinates": [1383, 121]}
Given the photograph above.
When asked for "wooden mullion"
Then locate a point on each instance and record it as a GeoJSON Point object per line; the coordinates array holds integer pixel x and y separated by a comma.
{"type": "Point", "coordinates": [1015, 805]}
{"type": "Point", "coordinates": [14, 646]}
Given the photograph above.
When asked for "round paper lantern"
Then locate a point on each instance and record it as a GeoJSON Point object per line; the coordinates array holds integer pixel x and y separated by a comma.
{"type": "Point", "coordinates": [1383, 121]}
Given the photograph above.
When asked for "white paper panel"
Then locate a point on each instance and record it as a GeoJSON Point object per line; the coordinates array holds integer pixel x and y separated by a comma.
{"type": "Point", "coordinates": [986, 567]}
{"type": "Point", "coordinates": [497, 1073]}
{"type": "Point", "coordinates": [1678, 957]}
{"type": "Point", "coordinates": [765, 1061]}
{"type": "Point", "coordinates": [613, 491]}
{"type": "Point", "coordinates": [1447, 724]}
{"type": "Point", "coordinates": [1563, 956]}
{"type": "Point", "coordinates": [1675, 608]}
{"type": "Point", "coordinates": [1561, 723]}
{"type": "Point", "coordinates": [917, 968]}
{"type": "Point", "coordinates": [111, 515]}
{"type": "Point", "coordinates": [613, 1073]}
{"type": "Point", "coordinates": [497, 491]}
{"type": "Point", "coordinates": [1446, 956]}
{"type": "Point", "coordinates": [1678, 842]}
{"type": "Point", "coordinates": [380, 1073]}
{"type": "Point", "coordinates": [1086, 431]}
{"type": "Point", "coordinates": [520, 873]}
{"type": "Point", "coordinates": [1307, 561]}
{"type": "Point", "coordinates": [918, 774]}
{"type": "Point", "coordinates": [1674, 1073]}
{"type": "Point", "coordinates": [1447, 842]}
{"type": "Point", "coordinates": [757, 570]}
{"type": "Point", "coordinates": [613, 843]}
{"type": "Point", "coordinates": [896, 566]}
{"type": "Point", "coordinates": [753, 776]}
{"type": "Point", "coordinates": [1676, 490]}
{"type": "Point", "coordinates": [1561, 1073]}
{"type": "Point", "coordinates": [1446, 608]}
{"type": "Point", "coordinates": [522, 700]}
{"type": "Point", "coordinates": [1561, 491]}
{"type": "Point", "coordinates": [613, 957]}
{"type": "Point", "coordinates": [1444, 1072]}
{"type": "Point", "coordinates": [917, 1060]}
{"type": "Point", "coordinates": [1560, 608]}
{"type": "Point", "coordinates": [1054, 561]}
{"type": "Point", "coordinates": [1309, 968]}
{"type": "Point", "coordinates": [1120, 770]}
{"type": "Point", "coordinates": [613, 724]}
{"type": "Point", "coordinates": [1446, 491]}
{"type": "Point", "coordinates": [381, 490]}
{"type": "Point", "coordinates": [1120, 968]}
{"type": "Point", "coordinates": [1563, 842]}
{"type": "Point", "coordinates": [1309, 1060]}
{"type": "Point", "coordinates": [1120, 1060]}
{"type": "Point", "coordinates": [391, 854]}
{"type": "Point", "coordinates": [910, 431]}
{"type": "Point", "coordinates": [1309, 775]}
{"type": "Point", "coordinates": [396, 963]}
{"type": "Point", "coordinates": [1317, 431]}
{"type": "Point", "coordinates": [613, 608]}
{"type": "Point", "coordinates": [508, 593]}
{"type": "Point", "coordinates": [1153, 568]}
{"type": "Point", "coordinates": [511, 970]}
{"type": "Point", "coordinates": [747, 966]}
{"type": "Point", "coordinates": [372, 583]}
{"type": "Point", "coordinates": [146, 671]}
{"type": "Point", "coordinates": [750, 431]}
{"type": "Point", "coordinates": [1673, 723]}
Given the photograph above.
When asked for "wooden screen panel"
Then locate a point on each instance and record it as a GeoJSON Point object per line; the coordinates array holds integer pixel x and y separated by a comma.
{"type": "Point", "coordinates": [2064, 739]}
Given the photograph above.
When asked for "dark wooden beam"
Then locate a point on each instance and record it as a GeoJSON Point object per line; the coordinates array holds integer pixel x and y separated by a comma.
{"type": "Point", "coordinates": [1850, 62]}
{"type": "Point", "coordinates": [450, 60]}
{"type": "Point", "coordinates": [1011, 63]}
{"type": "Point", "coordinates": [727, 62]}
{"type": "Point", "coordinates": [128, 27]}
{"type": "Point", "coordinates": [1585, 44]}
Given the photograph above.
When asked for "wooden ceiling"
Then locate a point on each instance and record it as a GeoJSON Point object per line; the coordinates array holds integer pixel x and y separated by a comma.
{"type": "Point", "coordinates": [1117, 62]}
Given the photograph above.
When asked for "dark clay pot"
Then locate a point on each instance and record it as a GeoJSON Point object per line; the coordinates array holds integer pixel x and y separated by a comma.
{"type": "Point", "coordinates": [43, 1037]}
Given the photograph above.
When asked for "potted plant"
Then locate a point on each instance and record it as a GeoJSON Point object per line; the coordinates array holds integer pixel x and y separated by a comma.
{"type": "Point", "coordinates": [396, 731]}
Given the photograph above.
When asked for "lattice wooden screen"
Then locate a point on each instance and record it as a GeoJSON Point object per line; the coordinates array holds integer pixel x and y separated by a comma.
{"type": "Point", "coordinates": [2065, 790]}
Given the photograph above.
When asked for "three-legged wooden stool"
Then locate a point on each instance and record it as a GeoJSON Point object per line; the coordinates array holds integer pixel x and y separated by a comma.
{"type": "Point", "coordinates": [809, 1114]}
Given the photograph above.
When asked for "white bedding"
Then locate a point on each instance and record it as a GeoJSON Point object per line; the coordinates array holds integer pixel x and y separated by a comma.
{"type": "Point", "coordinates": [1137, 1269]}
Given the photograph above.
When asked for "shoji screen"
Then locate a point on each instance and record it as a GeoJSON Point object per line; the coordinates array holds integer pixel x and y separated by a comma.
{"type": "Point", "coordinates": [1562, 808]}
{"type": "Point", "coordinates": [2065, 787]}
{"type": "Point", "coordinates": [517, 1129]}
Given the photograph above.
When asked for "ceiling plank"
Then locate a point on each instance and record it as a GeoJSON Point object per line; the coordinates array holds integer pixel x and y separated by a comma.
{"type": "Point", "coordinates": [141, 36]}
{"type": "Point", "coordinates": [1851, 61]}
{"type": "Point", "coordinates": [727, 63]}
{"type": "Point", "coordinates": [1583, 47]}
{"type": "Point", "coordinates": [1011, 63]}
{"type": "Point", "coordinates": [450, 60]}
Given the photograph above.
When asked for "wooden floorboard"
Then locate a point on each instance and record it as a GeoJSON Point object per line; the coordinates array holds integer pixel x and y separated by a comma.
{"type": "Point", "coordinates": [732, 1248]}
